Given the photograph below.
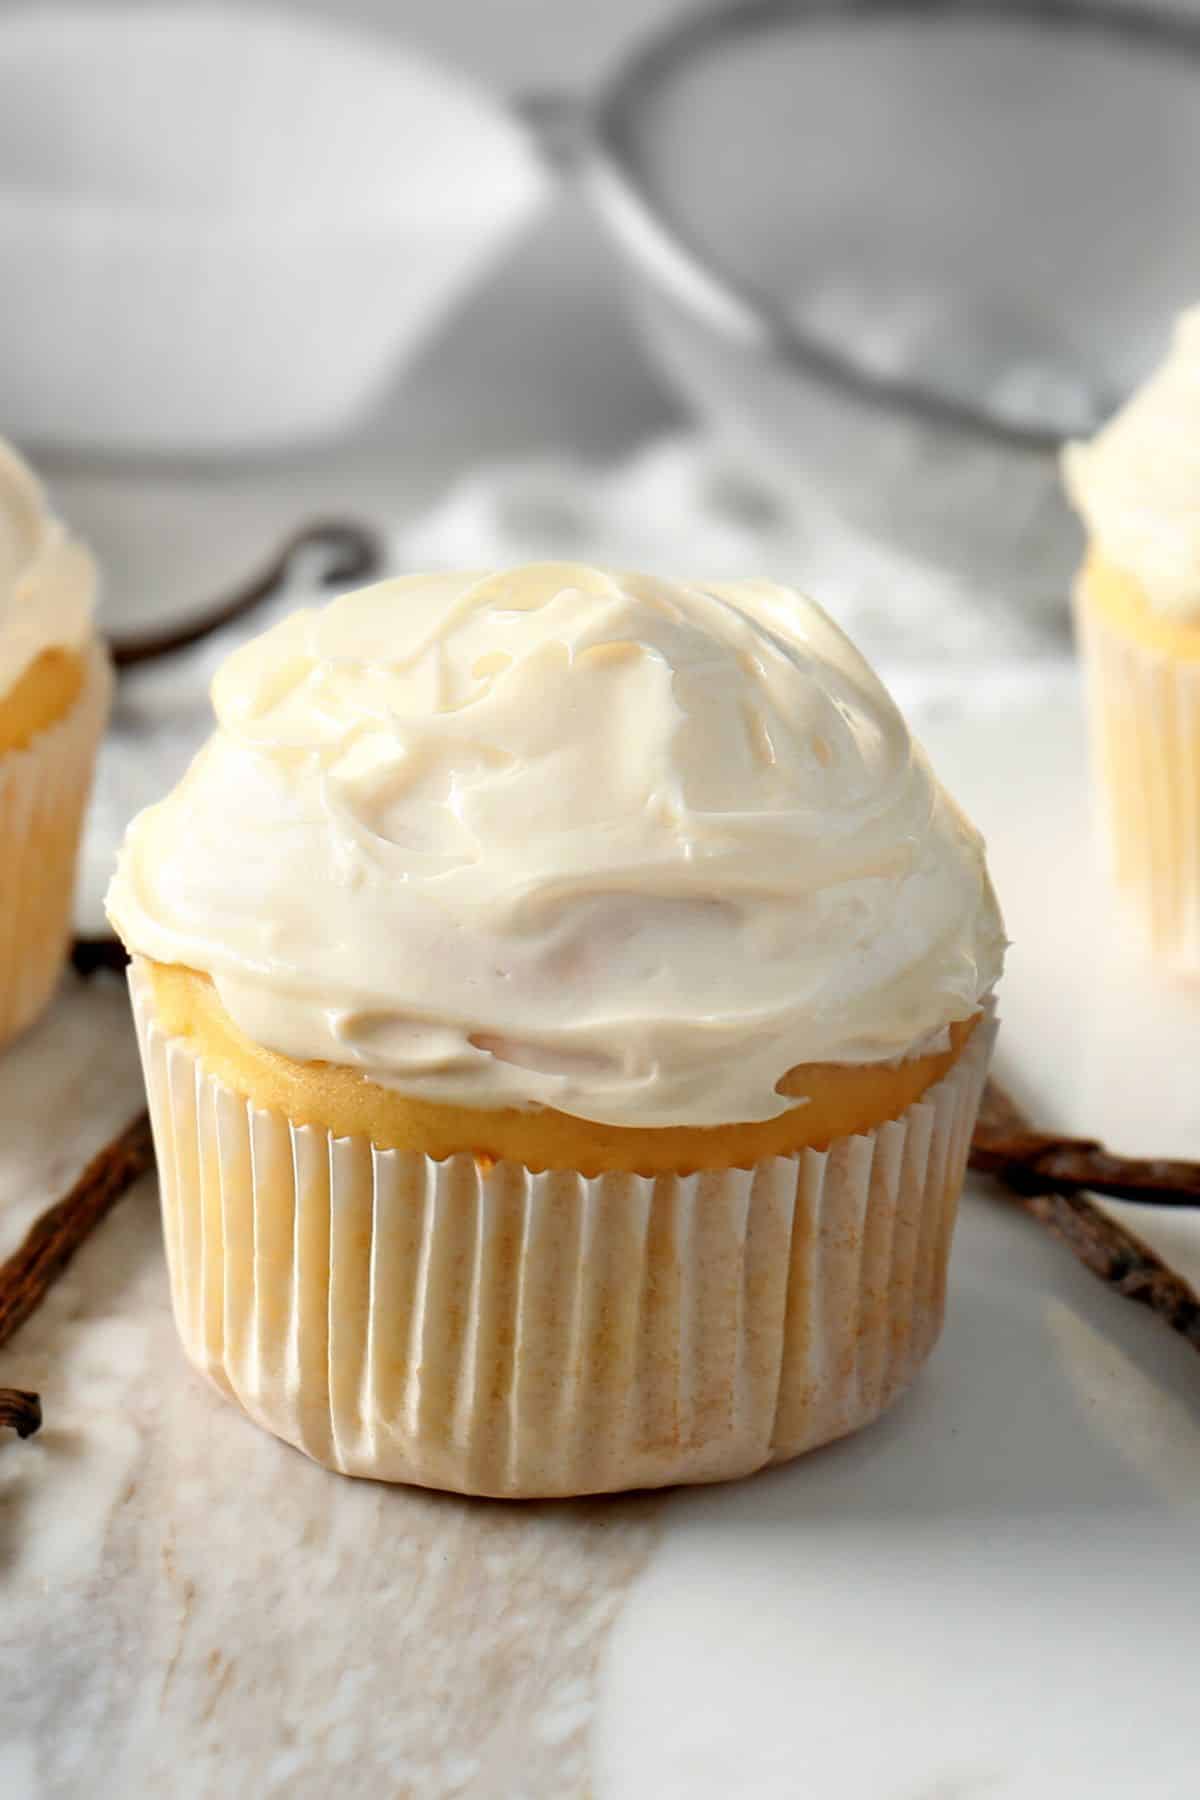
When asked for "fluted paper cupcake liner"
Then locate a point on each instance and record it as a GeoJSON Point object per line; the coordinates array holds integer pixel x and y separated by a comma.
{"type": "Point", "coordinates": [43, 794]}
{"type": "Point", "coordinates": [1144, 715]}
{"type": "Point", "coordinates": [495, 1331]}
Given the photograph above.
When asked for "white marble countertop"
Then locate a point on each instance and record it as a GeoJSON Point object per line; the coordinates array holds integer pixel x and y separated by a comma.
{"type": "Point", "coordinates": [990, 1594]}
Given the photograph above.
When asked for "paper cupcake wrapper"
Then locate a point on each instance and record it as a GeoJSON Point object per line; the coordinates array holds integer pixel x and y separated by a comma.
{"type": "Point", "coordinates": [494, 1331]}
{"type": "Point", "coordinates": [1144, 716]}
{"type": "Point", "coordinates": [43, 794]}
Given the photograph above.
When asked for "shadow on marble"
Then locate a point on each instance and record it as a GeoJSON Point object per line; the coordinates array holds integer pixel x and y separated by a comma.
{"type": "Point", "coordinates": [1047, 1394]}
{"type": "Point", "coordinates": [988, 1594]}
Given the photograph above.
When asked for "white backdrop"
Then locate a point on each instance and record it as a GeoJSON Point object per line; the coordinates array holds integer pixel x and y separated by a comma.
{"type": "Point", "coordinates": [520, 44]}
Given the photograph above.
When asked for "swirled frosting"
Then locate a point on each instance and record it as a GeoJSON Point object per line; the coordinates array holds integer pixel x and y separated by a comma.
{"type": "Point", "coordinates": [1137, 483]}
{"type": "Point", "coordinates": [558, 836]}
{"type": "Point", "coordinates": [47, 579]}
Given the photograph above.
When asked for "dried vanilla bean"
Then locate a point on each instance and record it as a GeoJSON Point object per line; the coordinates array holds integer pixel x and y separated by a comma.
{"type": "Point", "coordinates": [1006, 1146]}
{"type": "Point", "coordinates": [1036, 1162]}
{"type": "Point", "coordinates": [89, 954]}
{"type": "Point", "coordinates": [20, 1411]}
{"type": "Point", "coordinates": [52, 1240]}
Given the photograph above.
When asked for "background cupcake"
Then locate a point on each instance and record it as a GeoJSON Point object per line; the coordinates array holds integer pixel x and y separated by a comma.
{"type": "Point", "coordinates": [54, 697]}
{"type": "Point", "coordinates": [1137, 485]}
{"type": "Point", "coordinates": [564, 1005]}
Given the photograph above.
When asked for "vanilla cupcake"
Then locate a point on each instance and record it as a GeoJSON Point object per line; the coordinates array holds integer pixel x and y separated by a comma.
{"type": "Point", "coordinates": [563, 999]}
{"type": "Point", "coordinates": [54, 697]}
{"type": "Point", "coordinates": [1137, 486]}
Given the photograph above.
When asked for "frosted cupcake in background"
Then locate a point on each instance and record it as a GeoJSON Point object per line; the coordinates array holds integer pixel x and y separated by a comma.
{"type": "Point", "coordinates": [1137, 487]}
{"type": "Point", "coordinates": [564, 1003]}
{"type": "Point", "coordinates": [54, 697]}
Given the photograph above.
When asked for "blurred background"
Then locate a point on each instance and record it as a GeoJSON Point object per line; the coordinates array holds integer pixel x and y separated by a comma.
{"type": "Point", "coordinates": [806, 288]}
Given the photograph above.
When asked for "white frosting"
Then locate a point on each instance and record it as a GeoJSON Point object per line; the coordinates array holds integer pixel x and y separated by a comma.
{"type": "Point", "coordinates": [1137, 483]}
{"type": "Point", "coordinates": [47, 579]}
{"type": "Point", "coordinates": [619, 846]}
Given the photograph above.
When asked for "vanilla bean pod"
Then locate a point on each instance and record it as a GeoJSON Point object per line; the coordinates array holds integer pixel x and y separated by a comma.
{"type": "Point", "coordinates": [52, 1240]}
{"type": "Point", "coordinates": [1007, 1147]}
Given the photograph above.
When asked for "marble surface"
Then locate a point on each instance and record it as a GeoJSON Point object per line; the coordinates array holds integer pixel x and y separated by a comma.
{"type": "Point", "coordinates": [989, 1596]}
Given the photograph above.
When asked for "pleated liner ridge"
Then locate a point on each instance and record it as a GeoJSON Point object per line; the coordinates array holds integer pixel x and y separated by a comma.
{"type": "Point", "coordinates": [43, 793]}
{"type": "Point", "coordinates": [1144, 712]}
{"type": "Point", "coordinates": [494, 1331]}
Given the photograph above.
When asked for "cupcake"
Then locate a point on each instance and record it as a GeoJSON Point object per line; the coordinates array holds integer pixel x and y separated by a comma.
{"type": "Point", "coordinates": [564, 1004]}
{"type": "Point", "coordinates": [54, 697]}
{"type": "Point", "coordinates": [1137, 487]}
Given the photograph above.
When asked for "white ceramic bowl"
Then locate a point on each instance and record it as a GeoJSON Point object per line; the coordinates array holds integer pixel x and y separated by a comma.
{"type": "Point", "coordinates": [221, 230]}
